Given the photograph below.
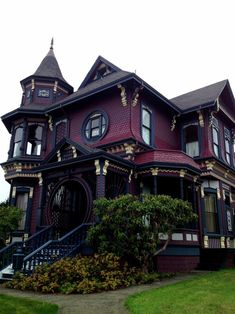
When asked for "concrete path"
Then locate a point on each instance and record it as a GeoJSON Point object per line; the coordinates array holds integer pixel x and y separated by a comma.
{"type": "Point", "coordinates": [97, 303]}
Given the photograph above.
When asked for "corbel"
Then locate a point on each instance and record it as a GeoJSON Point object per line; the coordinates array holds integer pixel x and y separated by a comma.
{"type": "Point", "coordinates": [173, 123]}
{"type": "Point", "coordinates": [18, 167]}
{"type": "Point", "coordinates": [154, 171]}
{"type": "Point", "coordinates": [33, 84]}
{"type": "Point", "coordinates": [206, 242]}
{"type": "Point", "coordinates": [228, 242]}
{"type": "Point", "coordinates": [129, 148]}
{"type": "Point", "coordinates": [55, 86]}
{"type": "Point", "coordinates": [224, 196]}
{"type": "Point", "coordinates": [74, 151]}
{"type": "Point", "coordinates": [97, 167]}
{"type": "Point", "coordinates": [182, 173]}
{"type": "Point", "coordinates": [50, 121]}
{"type": "Point", "coordinates": [105, 167]}
{"type": "Point", "coordinates": [13, 194]}
{"type": "Point", "coordinates": [218, 193]}
{"type": "Point", "coordinates": [40, 180]}
{"type": "Point", "coordinates": [202, 192]}
{"type": "Point", "coordinates": [31, 192]}
{"type": "Point", "coordinates": [209, 164]}
{"type": "Point", "coordinates": [130, 175]}
{"type": "Point", "coordinates": [58, 155]}
{"type": "Point", "coordinates": [123, 95]}
{"type": "Point", "coordinates": [136, 95]}
{"type": "Point", "coordinates": [226, 173]}
{"type": "Point", "coordinates": [200, 119]}
{"type": "Point", "coordinates": [214, 111]}
{"type": "Point", "coordinates": [222, 242]}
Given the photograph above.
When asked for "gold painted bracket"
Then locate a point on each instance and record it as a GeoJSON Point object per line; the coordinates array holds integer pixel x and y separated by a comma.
{"type": "Point", "coordinates": [123, 95]}
{"type": "Point", "coordinates": [200, 119]}
{"type": "Point", "coordinates": [50, 121]}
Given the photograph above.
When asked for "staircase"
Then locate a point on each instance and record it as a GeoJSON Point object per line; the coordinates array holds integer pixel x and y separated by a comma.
{"type": "Point", "coordinates": [28, 246]}
{"type": "Point", "coordinates": [53, 250]}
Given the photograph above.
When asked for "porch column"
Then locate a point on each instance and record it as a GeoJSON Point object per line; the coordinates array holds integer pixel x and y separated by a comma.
{"type": "Point", "coordinates": [101, 171]}
{"type": "Point", "coordinates": [154, 172]}
{"type": "Point", "coordinates": [182, 174]}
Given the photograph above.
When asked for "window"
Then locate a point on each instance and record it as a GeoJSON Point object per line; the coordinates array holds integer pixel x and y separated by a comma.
{"type": "Point", "coordinates": [146, 126]}
{"type": "Point", "coordinates": [228, 211]}
{"type": "Point", "coordinates": [95, 126]}
{"type": "Point", "coordinates": [191, 140]}
{"type": "Point", "coordinates": [44, 93]}
{"type": "Point", "coordinates": [215, 136]}
{"type": "Point", "coordinates": [211, 213]}
{"type": "Point", "coordinates": [227, 139]}
{"type": "Point", "coordinates": [18, 137]}
{"type": "Point", "coordinates": [22, 202]}
{"type": "Point", "coordinates": [34, 142]}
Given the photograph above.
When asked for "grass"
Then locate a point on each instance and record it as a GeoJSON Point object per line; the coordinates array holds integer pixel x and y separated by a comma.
{"type": "Point", "coordinates": [13, 305]}
{"type": "Point", "coordinates": [213, 293]}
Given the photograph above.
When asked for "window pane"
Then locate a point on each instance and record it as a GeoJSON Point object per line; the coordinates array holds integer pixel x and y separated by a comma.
{"type": "Point", "coordinates": [146, 135]}
{"type": "Point", "coordinates": [227, 145]}
{"type": "Point", "coordinates": [22, 202]}
{"type": "Point", "coordinates": [211, 213]}
{"type": "Point", "coordinates": [228, 158]}
{"type": "Point", "coordinates": [38, 132]}
{"type": "Point", "coordinates": [192, 149]}
{"type": "Point", "coordinates": [95, 122]}
{"type": "Point", "coordinates": [95, 132]}
{"type": "Point", "coordinates": [146, 118]}
{"type": "Point", "coordinates": [18, 134]}
{"type": "Point", "coordinates": [215, 136]}
{"type": "Point", "coordinates": [216, 150]}
{"type": "Point", "coordinates": [16, 151]}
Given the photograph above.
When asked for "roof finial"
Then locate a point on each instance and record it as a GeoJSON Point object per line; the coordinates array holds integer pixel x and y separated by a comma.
{"type": "Point", "coordinates": [52, 43]}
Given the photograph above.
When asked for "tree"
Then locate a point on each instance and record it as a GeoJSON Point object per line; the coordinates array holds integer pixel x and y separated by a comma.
{"type": "Point", "coordinates": [129, 226]}
{"type": "Point", "coordinates": [9, 220]}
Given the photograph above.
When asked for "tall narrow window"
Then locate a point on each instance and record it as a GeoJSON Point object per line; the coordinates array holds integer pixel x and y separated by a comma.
{"type": "Point", "coordinates": [22, 202]}
{"type": "Point", "coordinates": [34, 142]}
{"type": "Point", "coordinates": [215, 136]}
{"type": "Point", "coordinates": [228, 210]}
{"type": "Point", "coordinates": [146, 126]}
{"type": "Point", "coordinates": [18, 137]}
{"type": "Point", "coordinates": [227, 139]}
{"type": "Point", "coordinates": [211, 213]}
{"type": "Point", "coordinates": [191, 140]}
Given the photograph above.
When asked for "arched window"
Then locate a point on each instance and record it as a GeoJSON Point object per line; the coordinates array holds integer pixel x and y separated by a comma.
{"type": "Point", "coordinates": [95, 126]}
{"type": "Point", "coordinates": [146, 127]}
{"type": "Point", "coordinates": [18, 137]}
{"type": "Point", "coordinates": [215, 136]}
{"type": "Point", "coordinates": [34, 140]}
{"type": "Point", "coordinates": [227, 140]}
{"type": "Point", "coordinates": [191, 142]}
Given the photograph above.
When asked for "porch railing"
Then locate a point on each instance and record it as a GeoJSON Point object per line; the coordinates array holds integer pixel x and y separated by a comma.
{"type": "Point", "coordinates": [54, 250]}
{"type": "Point", "coordinates": [28, 246]}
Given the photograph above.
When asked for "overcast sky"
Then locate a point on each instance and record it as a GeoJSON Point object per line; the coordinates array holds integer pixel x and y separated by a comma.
{"type": "Point", "coordinates": [174, 45]}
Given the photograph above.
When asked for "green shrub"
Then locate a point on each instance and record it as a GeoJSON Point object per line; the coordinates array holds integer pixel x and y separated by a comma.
{"type": "Point", "coordinates": [101, 272]}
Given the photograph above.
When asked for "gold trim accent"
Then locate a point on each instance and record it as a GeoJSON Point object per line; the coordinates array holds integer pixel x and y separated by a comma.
{"type": "Point", "coordinates": [118, 168]}
{"type": "Point", "coordinates": [209, 164]}
{"type": "Point", "coordinates": [129, 148]}
{"type": "Point", "coordinates": [129, 177]}
{"type": "Point", "coordinates": [200, 119]}
{"type": "Point", "coordinates": [50, 121]}
{"type": "Point", "coordinates": [222, 242]}
{"type": "Point", "coordinates": [182, 173]}
{"type": "Point", "coordinates": [206, 241]}
{"type": "Point", "coordinates": [105, 167]}
{"type": "Point", "coordinates": [74, 151]}
{"type": "Point", "coordinates": [202, 192]}
{"type": "Point", "coordinates": [31, 192]}
{"type": "Point", "coordinates": [59, 155]}
{"type": "Point", "coordinates": [123, 95]}
{"type": "Point", "coordinates": [40, 182]}
{"type": "Point", "coordinates": [154, 171]}
{"type": "Point", "coordinates": [13, 194]}
{"type": "Point", "coordinates": [228, 242]}
{"type": "Point", "coordinates": [33, 84]}
{"type": "Point", "coordinates": [97, 167]}
{"type": "Point", "coordinates": [218, 193]}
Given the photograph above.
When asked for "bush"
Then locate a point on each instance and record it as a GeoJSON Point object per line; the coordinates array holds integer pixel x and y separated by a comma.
{"type": "Point", "coordinates": [82, 275]}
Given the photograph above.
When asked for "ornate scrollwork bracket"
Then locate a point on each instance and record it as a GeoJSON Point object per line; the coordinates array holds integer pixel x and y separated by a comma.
{"type": "Point", "coordinates": [135, 96]}
{"type": "Point", "coordinates": [50, 122]}
{"type": "Point", "coordinates": [173, 123]}
{"type": "Point", "coordinates": [200, 119]}
{"type": "Point", "coordinates": [123, 95]}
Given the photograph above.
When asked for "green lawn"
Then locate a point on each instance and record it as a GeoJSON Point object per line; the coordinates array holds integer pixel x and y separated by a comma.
{"type": "Point", "coordinates": [12, 305]}
{"type": "Point", "coordinates": [213, 293]}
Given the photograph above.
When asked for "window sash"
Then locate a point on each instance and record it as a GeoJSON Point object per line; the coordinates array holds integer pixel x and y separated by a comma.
{"type": "Point", "coordinates": [211, 213]}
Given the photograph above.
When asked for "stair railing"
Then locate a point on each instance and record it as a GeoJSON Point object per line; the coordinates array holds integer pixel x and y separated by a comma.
{"type": "Point", "coordinates": [28, 246]}
{"type": "Point", "coordinates": [54, 250]}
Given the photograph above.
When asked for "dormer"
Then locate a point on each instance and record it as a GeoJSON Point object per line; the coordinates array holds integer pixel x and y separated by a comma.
{"type": "Point", "coordinates": [47, 85]}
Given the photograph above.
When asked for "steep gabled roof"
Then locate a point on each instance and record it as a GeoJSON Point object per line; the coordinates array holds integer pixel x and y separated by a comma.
{"type": "Point", "coordinates": [201, 97]}
{"type": "Point", "coordinates": [49, 66]}
{"type": "Point", "coordinates": [100, 69]}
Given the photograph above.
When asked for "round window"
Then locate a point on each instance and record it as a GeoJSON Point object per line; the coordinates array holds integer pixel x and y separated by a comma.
{"type": "Point", "coordinates": [95, 126]}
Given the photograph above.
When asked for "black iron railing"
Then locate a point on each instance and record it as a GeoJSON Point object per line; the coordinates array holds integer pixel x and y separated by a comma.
{"type": "Point", "coordinates": [28, 246]}
{"type": "Point", "coordinates": [54, 250]}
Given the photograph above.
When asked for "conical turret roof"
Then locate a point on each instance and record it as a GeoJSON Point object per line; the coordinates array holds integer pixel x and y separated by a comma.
{"type": "Point", "coordinates": [49, 66]}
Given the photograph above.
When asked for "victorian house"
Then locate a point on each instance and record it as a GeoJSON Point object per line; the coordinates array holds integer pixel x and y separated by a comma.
{"type": "Point", "coordinates": [116, 134]}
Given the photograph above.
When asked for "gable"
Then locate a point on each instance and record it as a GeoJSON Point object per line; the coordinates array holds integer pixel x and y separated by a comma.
{"type": "Point", "coordinates": [67, 149]}
{"type": "Point", "coordinates": [100, 69]}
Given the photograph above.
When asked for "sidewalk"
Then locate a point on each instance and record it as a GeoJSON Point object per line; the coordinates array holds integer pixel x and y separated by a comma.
{"type": "Point", "coordinates": [99, 303]}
